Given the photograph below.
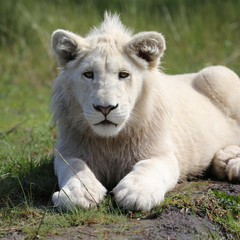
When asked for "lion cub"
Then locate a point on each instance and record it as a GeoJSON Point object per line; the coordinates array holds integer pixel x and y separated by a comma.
{"type": "Point", "coordinates": [125, 126]}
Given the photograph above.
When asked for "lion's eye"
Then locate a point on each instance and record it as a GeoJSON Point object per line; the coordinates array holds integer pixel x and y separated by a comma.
{"type": "Point", "coordinates": [89, 75]}
{"type": "Point", "coordinates": [123, 75]}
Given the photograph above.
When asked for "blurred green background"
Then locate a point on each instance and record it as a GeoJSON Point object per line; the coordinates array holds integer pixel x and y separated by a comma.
{"type": "Point", "coordinates": [198, 33]}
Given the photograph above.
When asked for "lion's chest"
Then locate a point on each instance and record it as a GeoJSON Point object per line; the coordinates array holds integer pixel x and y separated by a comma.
{"type": "Point", "coordinates": [111, 163]}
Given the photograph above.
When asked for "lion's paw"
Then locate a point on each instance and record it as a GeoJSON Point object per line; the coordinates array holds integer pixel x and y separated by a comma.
{"type": "Point", "coordinates": [233, 170]}
{"type": "Point", "coordinates": [226, 163]}
{"type": "Point", "coordinates": [75, 194]}
{"type": "Point", "coordinates": [138, 193]}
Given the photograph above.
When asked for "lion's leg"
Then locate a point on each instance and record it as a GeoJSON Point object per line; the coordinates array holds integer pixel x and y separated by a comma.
{"type": "Point", "coordinates": [78, 185]}
{"type": "Point", "coordinates": [226, 163]}
{"type": "Point", "coordinates": [145, 186]}
{"type": "Point", "coordinates": [222, 86]}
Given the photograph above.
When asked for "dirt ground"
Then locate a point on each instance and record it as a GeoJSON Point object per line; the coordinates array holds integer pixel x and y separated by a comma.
{"type": "Point", "coordinates": [173, 223]}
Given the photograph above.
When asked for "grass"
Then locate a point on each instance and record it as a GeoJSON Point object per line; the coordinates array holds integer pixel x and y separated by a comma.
{"type": "Point", "coordinates": [37, 222]}
{"type": "Point", "coordinates": [198, 33]}
{"type": "Point", "coordinates": [221, 208]}
{"type": "Point", "coordinates": [225, 210]}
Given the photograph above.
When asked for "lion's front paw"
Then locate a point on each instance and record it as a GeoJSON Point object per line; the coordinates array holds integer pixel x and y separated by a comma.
{"type": "Point", "coordinates": [75, 194]}
{"type": "Point", "coordinates": [138, 193]}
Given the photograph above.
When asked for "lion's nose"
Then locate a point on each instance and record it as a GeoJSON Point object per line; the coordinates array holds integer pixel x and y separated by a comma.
{"type": "Point", "coordinates": [105, 110]}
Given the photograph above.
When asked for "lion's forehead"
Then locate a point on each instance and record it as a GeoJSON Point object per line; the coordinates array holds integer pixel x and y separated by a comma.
{"type": "Point", "coordinates": [108, 43]}
{"type": "Point", "coordinates": [105, 62]}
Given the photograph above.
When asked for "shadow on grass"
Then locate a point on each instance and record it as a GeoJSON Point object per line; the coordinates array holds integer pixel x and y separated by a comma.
{"type": "Point", "coordinates": [34, 187]}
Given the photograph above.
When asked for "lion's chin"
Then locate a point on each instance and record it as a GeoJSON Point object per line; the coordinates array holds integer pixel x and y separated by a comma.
{"type": "Point", "coordinates": [107, 129]}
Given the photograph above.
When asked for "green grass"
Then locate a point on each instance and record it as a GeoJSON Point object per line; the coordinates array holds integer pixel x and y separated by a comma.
{"type": "Point", "coordinates": [198, 33]}
{"type": "Point", "coordinates": [37, 222]}
{"type": "Point", "coordinates": [225, 210]}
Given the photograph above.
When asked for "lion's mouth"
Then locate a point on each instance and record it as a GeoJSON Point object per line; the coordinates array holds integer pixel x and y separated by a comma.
{"type": "Point", "coordinates": [106, 123]}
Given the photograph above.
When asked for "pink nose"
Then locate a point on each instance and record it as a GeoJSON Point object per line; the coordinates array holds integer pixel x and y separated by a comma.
{"type": "Point", "coordinates": [105, 110]}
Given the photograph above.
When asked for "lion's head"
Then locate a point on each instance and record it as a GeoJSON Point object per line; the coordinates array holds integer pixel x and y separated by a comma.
{"type": "Point", "coordinates": [104, 71]}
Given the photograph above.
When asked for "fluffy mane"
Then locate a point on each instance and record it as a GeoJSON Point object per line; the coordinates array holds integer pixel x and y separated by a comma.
{"type": "Point", "coordinates": [111, 25]}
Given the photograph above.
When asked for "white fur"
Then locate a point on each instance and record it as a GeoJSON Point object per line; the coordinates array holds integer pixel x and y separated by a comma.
{"type": "Point", "coordinates": [226, 163]}
{"type": "Point", "coordinates": [80, 186]}
{"type": "Point", "coordinates": [165, 127]}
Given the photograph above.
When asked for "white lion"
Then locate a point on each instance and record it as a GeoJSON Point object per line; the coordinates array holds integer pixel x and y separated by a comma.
{"type": "Point", "coordinates": [127, 127]}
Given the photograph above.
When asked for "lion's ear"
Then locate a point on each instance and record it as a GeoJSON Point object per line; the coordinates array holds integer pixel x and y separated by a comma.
{"type": "Point", "coordinates": [146, 47]}
{"type": "Point", "coordinates": [67, 46]}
